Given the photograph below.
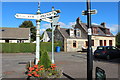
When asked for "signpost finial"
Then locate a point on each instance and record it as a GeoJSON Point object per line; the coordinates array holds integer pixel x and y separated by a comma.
{"type": "Point", "coordinates": [38, 11]}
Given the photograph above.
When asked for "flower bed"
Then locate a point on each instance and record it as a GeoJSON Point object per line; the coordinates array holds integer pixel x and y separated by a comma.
{"type": "Point", "coordinates": [37, 71]}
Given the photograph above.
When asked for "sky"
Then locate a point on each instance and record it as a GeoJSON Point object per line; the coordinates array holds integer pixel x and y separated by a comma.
{"type": "Point", "coordinates": [106, 12]}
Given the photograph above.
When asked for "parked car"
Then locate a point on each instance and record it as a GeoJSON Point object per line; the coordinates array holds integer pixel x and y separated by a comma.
{"type": "Point", "coordinates": [107, 52]}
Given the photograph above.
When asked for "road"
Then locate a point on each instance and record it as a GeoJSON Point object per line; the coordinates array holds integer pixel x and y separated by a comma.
{"type": "Point", "coordinates": [73, 65]}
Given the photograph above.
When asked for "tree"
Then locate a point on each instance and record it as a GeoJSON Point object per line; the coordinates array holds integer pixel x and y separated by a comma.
{"type": "Point", "coordinates": [118, 40]}
{"type": "Point", "coordinates": [29, 24]}
{"type": "Point", "coordinates": [49, 29]}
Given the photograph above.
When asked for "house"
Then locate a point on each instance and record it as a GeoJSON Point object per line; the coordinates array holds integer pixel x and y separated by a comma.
{"type": "Point", "coordinates": [14, 35]}
{"type": "Point", "coordinates": [47, 36]}
{"type": "Point", "coordinates": [75, 39]}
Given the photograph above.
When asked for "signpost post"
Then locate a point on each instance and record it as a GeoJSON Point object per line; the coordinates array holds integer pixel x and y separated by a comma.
{"type": "Point", "coordinates": [55, 22]}
{"type": "Point", "coordinates": [39, 17]}
{"type": "Point", "coordinates": [88, 12]}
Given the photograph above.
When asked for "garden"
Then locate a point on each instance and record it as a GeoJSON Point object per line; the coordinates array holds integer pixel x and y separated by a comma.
{"type": "Point", "coordinates": [44, 69]}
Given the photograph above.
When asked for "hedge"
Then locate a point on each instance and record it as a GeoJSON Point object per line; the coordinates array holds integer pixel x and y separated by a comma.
{"type": "Point", "coordinates": [26, 47]}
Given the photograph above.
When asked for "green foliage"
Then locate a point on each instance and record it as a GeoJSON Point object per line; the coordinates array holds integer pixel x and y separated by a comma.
{"type": "Point", "coordinates": [44, 59]}
{"type": "Point", "coordinates": [18, 47]}
{"type": "Point", "coordinates": [26, 47]}
{"type": "Point", "coordinates": [49, 29]}
{"type": "Point", "coordinates": [29, 24]}
{"type": "Point", "coordinates": [118, 40]}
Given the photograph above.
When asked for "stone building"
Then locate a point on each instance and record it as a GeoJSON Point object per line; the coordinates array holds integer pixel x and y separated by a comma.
{"type": "Point", "coordinates": [14, 35]}
{"type": "Point", "coordinates": [75, 39]}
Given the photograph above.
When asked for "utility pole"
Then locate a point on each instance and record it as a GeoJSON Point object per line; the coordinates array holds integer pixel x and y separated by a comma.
{"type": "Point", "coordinates": [88, 12]}
{"type": "Point", "coordinates": [89, 51]}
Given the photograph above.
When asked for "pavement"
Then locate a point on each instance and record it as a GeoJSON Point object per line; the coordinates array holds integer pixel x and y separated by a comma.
{"type": "Point", "coordinates": [74, 65]}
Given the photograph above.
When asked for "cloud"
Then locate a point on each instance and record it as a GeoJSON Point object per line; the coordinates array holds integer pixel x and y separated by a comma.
{"type": "Point", "coordinates": [62, 25]}
{"type": "Point", "coordinates": [46, 26]}
{"type": "Point", "coordinates": [113, 28]}
{"type": "Point", "coordinates": [95, 24]}
{"type": "Point", "coordinates": [69, 25]}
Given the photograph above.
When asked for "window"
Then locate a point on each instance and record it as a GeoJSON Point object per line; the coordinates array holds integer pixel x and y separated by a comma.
{"type": "Point", "coordinates": [86, 42]}
{"type": "Point", "coordinates": [110, 42]}
{"type": "Point", "coordinates": [101, 43]}
{"type": "Point", "coordinates": [78, 33]}
{"type": "Point", "coordinates": [108, 31]}
{"type": "Point", "coordinates": [7, 41]}
{"type": "Point", "coordinates": [95, 30]}
{"type": "Point", "coordinates": [18, 41]}
{"type": "Point", "coordinates": [71, 32]}
{"type": "Point", "coordinates": [91, 44]}
{"type": "Point", "coordinates": [74, 43]}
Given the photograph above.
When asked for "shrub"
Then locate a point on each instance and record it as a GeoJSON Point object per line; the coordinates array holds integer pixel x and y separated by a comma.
{"type": "Point", "coordinates": [44, 59]}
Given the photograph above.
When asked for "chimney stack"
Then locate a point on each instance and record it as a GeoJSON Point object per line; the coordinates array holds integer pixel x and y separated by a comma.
{"type": "Point", "coordinates": [103, 24]}
{"type": "Point", "coordinates": [78, 20]}
{"type": "Point", "coordinates": [58, 27]}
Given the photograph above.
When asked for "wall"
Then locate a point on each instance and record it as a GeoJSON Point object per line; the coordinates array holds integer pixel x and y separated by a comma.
{"type": "Point", "coordinates": [2, 41]}
{"type": "Point", "coordinates": [98, 38]}
{"type": "Point", "coordinates": [58, 37]}
{"type": "Point", "coordinates": [15, 41]}
{"type": "Point", "coordinates": [79, 44]}
{"type": "Point", "coordinates": [82, 42]}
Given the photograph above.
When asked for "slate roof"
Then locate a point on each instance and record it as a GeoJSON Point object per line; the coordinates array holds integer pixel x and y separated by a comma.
{"type": "Point", "coordinates": [14, 33]}
{"type": "Point", "coordinates": [49, 34]}
{"type": "Point", "coordinates": [65, 33]}
{"type": "Point", "coordinates": [100, 32]}
{"type": "Point", "coordinates": [99, 29]}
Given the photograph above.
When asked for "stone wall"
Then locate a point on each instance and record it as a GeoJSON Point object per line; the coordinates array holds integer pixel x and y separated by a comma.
{"type": "Point", "coordinates": [79, 44]}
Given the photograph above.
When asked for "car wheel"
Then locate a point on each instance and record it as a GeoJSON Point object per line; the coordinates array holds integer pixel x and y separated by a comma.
{"type": "Point", "coordinates": [108, 57]}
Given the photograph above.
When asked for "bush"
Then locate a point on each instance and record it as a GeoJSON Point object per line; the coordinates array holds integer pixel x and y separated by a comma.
{"type": "Point", "coordinates": [44, 59]}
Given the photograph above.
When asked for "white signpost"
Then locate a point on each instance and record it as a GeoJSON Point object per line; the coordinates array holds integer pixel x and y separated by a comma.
{"type": "Point", "coordinates": [36, 16]}
{"type": "Point", "coordinates": [39, 17]}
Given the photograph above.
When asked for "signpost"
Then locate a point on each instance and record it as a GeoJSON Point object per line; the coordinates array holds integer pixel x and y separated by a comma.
{"type": "Point", "coordinates": [39, 17]}
{"type": "Point", "coordinates": [88, 12]}
{"type": "Point", "coordinates": [53, 24]}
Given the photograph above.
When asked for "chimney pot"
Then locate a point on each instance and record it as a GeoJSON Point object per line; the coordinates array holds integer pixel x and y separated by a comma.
{"type": "Point", "coordinates": [103, 24]}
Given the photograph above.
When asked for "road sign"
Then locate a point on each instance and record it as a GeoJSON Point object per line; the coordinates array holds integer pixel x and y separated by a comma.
{"type": "Point", "coordinates": [55, 20]}
{"type": "Point", "coordinates": [26, 16]}
{"type": "Point", "coordinates": [91, 12]}
{"type": "Point", "coordinates": [35, 16]}
{"type": "Point", "coordinates": [47, 20]}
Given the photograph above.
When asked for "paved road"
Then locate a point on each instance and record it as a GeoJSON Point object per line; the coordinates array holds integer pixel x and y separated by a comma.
{"type": "Point", "coordinates": [73, 65]}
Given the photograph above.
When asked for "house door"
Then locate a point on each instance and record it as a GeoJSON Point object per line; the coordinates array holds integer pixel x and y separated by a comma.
{"type": "Point", "coordinates": [110, 42]}
{"type": "Point", "coordinates": [101, 43]}
{"type": "Point", "coordinates": [104, 42]}
{"type": "Point", "coordinates": [6, 41]}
